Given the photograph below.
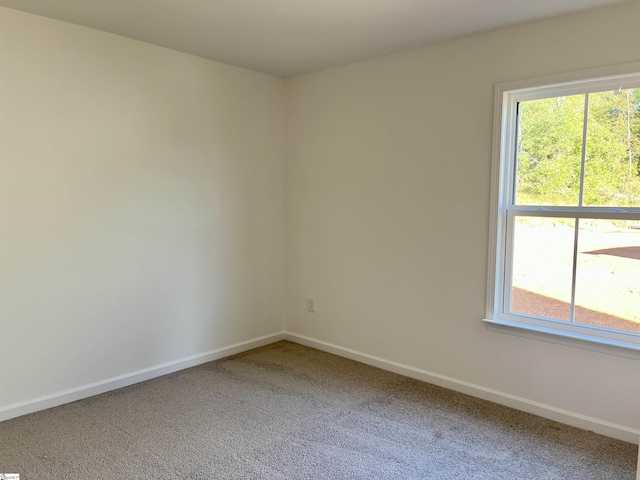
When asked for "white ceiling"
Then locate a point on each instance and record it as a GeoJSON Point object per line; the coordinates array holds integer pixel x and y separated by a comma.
{"type": "Point", "coordinates": [289, 37]}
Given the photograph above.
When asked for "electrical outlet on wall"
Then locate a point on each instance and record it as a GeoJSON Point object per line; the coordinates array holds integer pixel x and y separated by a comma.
{"type": "Point", "coordinates": [311, 304]}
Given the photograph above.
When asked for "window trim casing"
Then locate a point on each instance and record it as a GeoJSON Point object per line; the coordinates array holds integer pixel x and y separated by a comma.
{"type": "Point", "coordinates": [507, 94]}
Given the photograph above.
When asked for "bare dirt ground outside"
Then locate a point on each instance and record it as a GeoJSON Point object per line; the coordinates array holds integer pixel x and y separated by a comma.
{"type": "Point", "coordinates": [608, 272]}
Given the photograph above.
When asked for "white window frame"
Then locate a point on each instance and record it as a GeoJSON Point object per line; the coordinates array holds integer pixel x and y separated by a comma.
{"type": "Point", "coordinates": [498, 318]}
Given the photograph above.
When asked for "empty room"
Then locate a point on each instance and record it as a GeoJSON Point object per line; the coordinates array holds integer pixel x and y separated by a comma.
{"type": "Point", "coordinates": [297, 240]}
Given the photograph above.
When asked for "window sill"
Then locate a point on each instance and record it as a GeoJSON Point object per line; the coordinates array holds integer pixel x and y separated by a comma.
{"type": "Point", "coordinates": [587, 342]}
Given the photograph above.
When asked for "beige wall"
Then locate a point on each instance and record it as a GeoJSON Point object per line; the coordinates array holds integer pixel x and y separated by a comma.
{"type": "Point", "coordinates": [142, 206]}
{"type": "Point", "coordinates": [388, 184]}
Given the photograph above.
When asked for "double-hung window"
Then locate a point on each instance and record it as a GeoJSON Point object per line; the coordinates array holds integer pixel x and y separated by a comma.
{"type": "Point", "coordinates": [565, 247]}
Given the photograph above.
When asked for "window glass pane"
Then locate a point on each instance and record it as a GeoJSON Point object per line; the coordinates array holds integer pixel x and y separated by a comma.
{"type": "Point", "coordinates": [542, 267]}
{"type": "Point", "coordinates": [612, 167]}
{"type": "Point", "coordinates": [550, 151]}
{"type": "Point", "coordinates": [608, 274]}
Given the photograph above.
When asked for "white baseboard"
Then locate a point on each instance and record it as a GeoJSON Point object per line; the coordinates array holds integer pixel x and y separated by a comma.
{"type": "Point", "coordinates": [567, 417]}
{"type": "Point", "coordinates": [96, 388]}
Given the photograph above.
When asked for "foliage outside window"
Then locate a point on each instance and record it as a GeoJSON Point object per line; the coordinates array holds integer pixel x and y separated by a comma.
{"type": "Point", "coordinates": [565, 259]}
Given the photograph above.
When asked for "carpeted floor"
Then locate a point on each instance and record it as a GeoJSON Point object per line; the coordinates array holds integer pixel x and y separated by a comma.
{"type": "Point", "coordinates": [290, 412]}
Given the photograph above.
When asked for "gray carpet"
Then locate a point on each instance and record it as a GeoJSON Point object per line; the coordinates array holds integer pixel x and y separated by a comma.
{"type": "Point", "coordinates": [290, 412]}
